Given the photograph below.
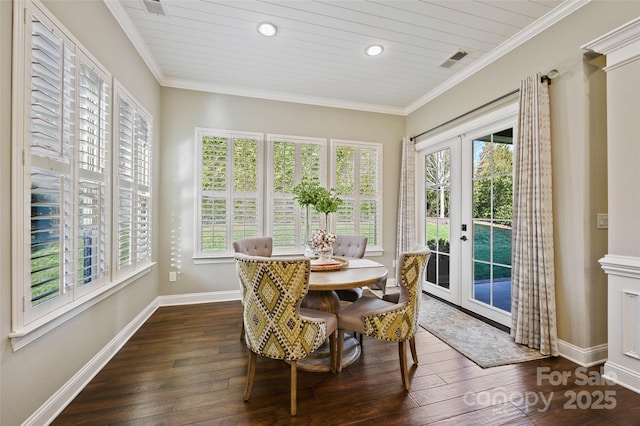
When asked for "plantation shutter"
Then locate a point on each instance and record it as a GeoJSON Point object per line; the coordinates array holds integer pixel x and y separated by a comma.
{"type": "Point", "coordinates": [94, 124]}
{"type": "Point", "coordinates": [48, 165]}
{"type": "Point", "coordinates": [357, 179]}
{"type": "Point", "coordinates": [294, 160]}
{"type": "Point", "coordinates": [230, 167]}
{"type": "Point", "coordinates": [132, 205]}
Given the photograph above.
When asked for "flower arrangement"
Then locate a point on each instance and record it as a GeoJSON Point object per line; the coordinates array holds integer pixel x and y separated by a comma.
{"type": "Point", "coordinates": [323, 201]}
{"type": "Point", "coordinates": [322, 241]}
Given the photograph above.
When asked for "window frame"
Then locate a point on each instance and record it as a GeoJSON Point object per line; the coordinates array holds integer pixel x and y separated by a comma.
{"type": "Point", "coordinates": [377, 248]}
{"type": "Point", "coordinates": [29, 320]}
{"type": "Point", "coordinates": [200, 255]}
{"type": "Point", "coordinates": [314, 218]}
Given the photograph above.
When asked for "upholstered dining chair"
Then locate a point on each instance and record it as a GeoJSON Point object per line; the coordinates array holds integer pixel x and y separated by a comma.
{"type": "Point", "coordinates": [254, 246]}
{"type": "Point", "coordinates": [352, 246]}
{"type": "Point", "coordinates": [389, 321]}
{"type": "Point", "coordinates": [276, 326]}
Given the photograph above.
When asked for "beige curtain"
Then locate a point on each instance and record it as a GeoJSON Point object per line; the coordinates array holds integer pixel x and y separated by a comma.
{"type": "Point", "coordinates": [533, 303]}
{"type": "Point", "coordinates": [406, 232]}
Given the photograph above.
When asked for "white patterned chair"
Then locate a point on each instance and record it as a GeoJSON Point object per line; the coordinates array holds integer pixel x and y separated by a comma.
{"type": "Point", "coordinates": [390, 321]}
{"type": "Point", "coordinates": [276, 326]}
{"type": "Point", "coordinates": [253, 246]}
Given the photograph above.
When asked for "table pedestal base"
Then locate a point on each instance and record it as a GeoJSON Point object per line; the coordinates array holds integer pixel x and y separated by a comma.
{"type": "Point", "coordinates": [320, 360]}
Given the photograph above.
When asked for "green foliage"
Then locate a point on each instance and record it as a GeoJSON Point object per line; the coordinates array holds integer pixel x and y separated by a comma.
{"type": "Point", "coordinates": [327, 201]}
{"type": "Point", "coordinates": [307, 193]}
{"type": "Point", "coordinates": [493, 182]}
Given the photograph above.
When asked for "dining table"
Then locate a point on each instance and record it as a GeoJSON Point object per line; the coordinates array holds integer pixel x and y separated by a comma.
{"type": "Point", "coordinates": [322, 296]}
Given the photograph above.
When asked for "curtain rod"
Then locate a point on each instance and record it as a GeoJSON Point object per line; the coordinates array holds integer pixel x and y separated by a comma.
{"type": "Point", "coordinates": [545, 78]}
{"type": "Point", "coordinates": [412, 138]}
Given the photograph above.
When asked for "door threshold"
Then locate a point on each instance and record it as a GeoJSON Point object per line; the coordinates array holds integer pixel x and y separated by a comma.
{"type": "Point", "coordinates": [471, 313]}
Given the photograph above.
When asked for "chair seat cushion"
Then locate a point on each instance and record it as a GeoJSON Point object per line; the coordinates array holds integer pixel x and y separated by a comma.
{"type": "Point", "coordinates": [350, 318]}
{"type": "Point", "coordinates": [314, 314]}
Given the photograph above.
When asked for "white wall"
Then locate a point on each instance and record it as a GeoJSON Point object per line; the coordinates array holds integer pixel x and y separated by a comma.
{"type": "Point", "coordinates": [31, 375]}
{"type": "Point", "coordinates": [578, 132]}
{"type": "Point", "coordinates": [183, 110]}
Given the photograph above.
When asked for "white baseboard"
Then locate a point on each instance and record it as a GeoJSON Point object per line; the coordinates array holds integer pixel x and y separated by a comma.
{"type": "Point", "coordinates": [585, 357]}
{"type": "Point", "coordinates": [622, 376]}
{"type": "Point", "coordinates": [63, 396]}
{"type": "Point", "coordinates": [59, 400]}
{"type": "Point", "coordinates": [194, 298]}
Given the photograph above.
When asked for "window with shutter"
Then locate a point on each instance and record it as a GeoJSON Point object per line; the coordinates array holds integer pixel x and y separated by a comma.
{"type": "Point", "coordinates": [292, 160]}
{"type": "Point", "coordinates": [132, 204]}
{"type": "Point", "coordinates": [68, 181]}
{"type": "Point", "coordinates": [229, 167]}
{"type": "Point", "coordinates": [357, 177]}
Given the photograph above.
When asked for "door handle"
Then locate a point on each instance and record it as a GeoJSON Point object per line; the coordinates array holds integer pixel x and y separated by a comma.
{"type": "Point", "coordinates": [464, 238]}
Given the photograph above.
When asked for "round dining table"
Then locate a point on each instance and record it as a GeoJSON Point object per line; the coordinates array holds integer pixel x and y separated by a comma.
{"type": "Point", "coordinates": [322, 296]}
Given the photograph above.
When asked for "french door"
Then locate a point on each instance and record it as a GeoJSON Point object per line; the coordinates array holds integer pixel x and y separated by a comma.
{"type": "Point", "coordinates": [465, 183]}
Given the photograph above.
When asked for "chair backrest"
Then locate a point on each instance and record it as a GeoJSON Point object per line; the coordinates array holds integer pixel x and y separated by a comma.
{"type": "Point", "coordinates": [274, 289]}
{"type": "Point", "coordinates": [401, 322]}
{"type": "Point", "coordinates": [350, 246]}
{"type": "Point", "coordinates": [411, 267]}
{"type": "Point", "coordinates": [256, 246]}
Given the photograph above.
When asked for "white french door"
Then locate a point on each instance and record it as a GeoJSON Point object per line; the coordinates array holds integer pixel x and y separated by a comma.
{"type": "Point", "coordinates": [464, 184]}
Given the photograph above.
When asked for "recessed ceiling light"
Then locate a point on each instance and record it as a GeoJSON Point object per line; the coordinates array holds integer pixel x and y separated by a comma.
{"type": "Point", "coordinates": [374, 50]}
{"type": "Point", "coordinates": [267, 29]}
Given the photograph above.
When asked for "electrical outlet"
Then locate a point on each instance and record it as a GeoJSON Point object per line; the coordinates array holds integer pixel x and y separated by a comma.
{"type": "Point", "coordinates": [172, 276]}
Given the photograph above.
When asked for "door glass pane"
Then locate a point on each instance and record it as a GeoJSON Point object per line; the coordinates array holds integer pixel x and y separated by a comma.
{"type": "Point", "coordinates": [492, 214]}
{"type": "Point", "coordinates": [437, 217]}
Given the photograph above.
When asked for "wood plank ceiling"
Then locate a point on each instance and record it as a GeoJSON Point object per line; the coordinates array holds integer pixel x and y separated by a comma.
{"type": "Point", "coordinates": [318, 54]}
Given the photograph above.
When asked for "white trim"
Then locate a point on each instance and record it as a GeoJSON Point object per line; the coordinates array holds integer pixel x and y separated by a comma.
{"type": "Point", "coordinates": [551, 18]}
{"type": "Point", "coordinates": [195, 298]}
{"type": "Point", "coordinates": [622, 266]}
{"type": "Point", "coordinates": [622, 376]}
{"type": "Point", "coordinates": [554, 16]}
{"type": "Point", "coordinates": [53, 406]}
{"type": "Point", "coordinates": [477, 125]}
{"type": "Point", "coordinates": [25, 335]}
{"type": "Point", "coordinates": [585, 357]}
{"type": "Point", "coordinates": [48, 411]}
{"type": "Point", "coordinates": [621, 45]}
{"type": "Point", "coordinates": [132, 33]}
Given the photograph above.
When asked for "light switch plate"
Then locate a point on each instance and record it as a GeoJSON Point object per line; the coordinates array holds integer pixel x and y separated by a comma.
{"type": "Point", "coordinates": [602, 221]}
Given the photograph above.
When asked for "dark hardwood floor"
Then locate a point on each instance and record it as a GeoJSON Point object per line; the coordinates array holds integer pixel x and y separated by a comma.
{"type": "Point", "coordinates": [187, 365]}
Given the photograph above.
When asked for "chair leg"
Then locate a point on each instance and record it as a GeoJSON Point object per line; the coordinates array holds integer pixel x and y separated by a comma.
{"type": "Point", "coordinates": [251, 371]}
{"type": "Point", "coordinates": [332, 351]}
{"type": "Point", "coordinates": [402, 352]}
{"type": "Point", "coordinates": [414, 353]}
{"type": "Point", "coordinates": [294, 388]}
{"type": "Point", "coordinates": [242, 332]}
{"type": "Point", "coordinates": [339, 354]}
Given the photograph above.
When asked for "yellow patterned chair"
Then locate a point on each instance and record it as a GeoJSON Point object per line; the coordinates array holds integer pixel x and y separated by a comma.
{"type": "Point", "coordinates": [276, 326]}
{"type": "Point", "coordinates": [253, 246]}
{"type": "Point", "coordinates": [390, 321]}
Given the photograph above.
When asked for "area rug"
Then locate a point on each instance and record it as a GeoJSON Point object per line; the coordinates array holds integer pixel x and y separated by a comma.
{"type": "Point", "coordinates": [482, 343]}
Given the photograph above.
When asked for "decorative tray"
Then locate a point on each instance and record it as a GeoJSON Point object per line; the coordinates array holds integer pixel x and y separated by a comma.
{"type": "Point", "coordinates": [336, 263]}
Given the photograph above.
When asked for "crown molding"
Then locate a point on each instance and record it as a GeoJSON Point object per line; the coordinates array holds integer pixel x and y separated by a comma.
{"type": "Point", "coordinates": [280, 96]}
{"type": "Point", "coordinates": [131, 31]}
{"type": "Point", "coordinates": [551, 18]}
{"type": "Point", "coordinates": [621, 45]}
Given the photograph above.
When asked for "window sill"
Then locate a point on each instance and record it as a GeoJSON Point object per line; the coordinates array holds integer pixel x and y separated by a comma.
{"type": "Point", "coordinates": [29, 333]}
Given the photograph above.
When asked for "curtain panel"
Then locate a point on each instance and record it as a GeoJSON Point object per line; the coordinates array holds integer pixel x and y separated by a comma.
{"type": "Point", "coordinates": [533, 306]}
{"type": "Point", "coordinates": [406, 231]}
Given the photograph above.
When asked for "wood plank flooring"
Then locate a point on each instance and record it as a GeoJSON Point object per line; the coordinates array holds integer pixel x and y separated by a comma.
{"type": "Point", "coordinates": [187, 365]}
